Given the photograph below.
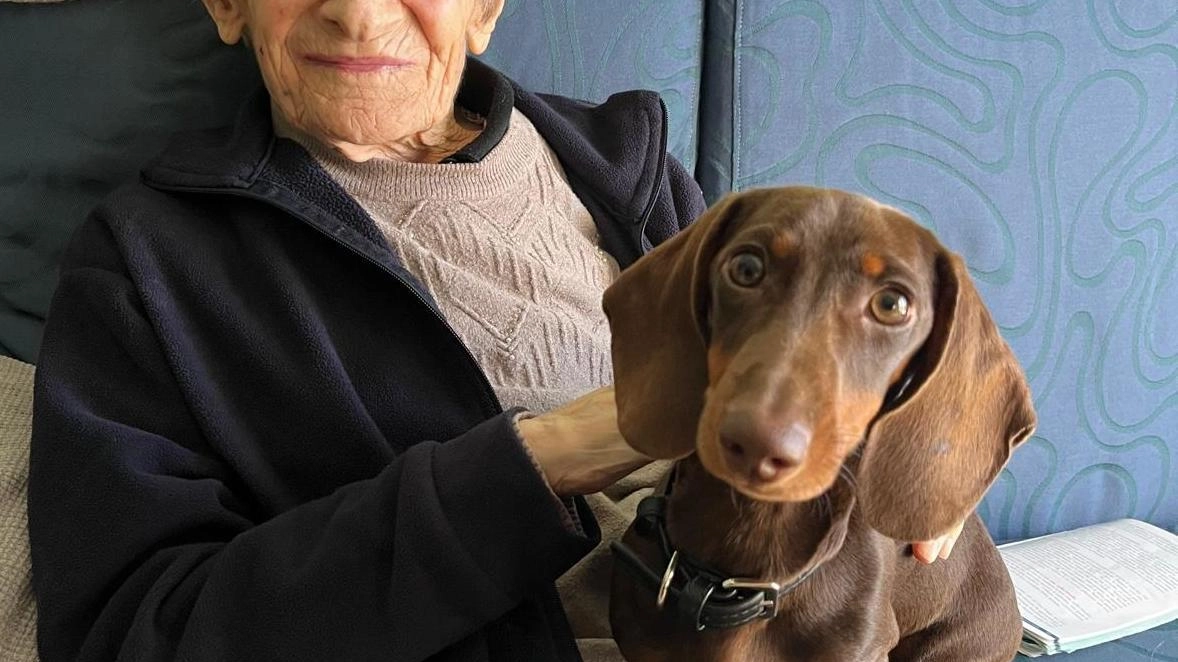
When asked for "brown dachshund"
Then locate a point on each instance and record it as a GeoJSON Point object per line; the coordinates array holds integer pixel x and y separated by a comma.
{"type": "Point", "coordinates": [834, 386]}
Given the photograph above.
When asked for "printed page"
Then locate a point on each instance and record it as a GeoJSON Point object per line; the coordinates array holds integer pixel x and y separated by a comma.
{"type": "Point", "coordinates": [1113, 578]}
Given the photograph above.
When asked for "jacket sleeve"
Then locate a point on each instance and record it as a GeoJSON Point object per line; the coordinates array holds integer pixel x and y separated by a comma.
{"type": "Point", "coordinates": [143, 550]}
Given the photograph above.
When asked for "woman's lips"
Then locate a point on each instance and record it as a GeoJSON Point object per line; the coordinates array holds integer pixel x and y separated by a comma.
{"type": "Point", "coordinates": [359, 65]}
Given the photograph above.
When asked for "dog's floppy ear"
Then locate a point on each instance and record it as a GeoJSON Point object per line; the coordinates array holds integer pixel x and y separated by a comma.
{"type": "Point", "coordinates": [657, 313]}
{"type": "Point", "coordinates": [928, 461]}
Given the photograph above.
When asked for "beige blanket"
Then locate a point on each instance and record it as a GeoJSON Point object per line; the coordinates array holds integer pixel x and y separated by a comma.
{"type": "Point", "coordinates": [18, 614]}
{"type": "Point", "coordinates": [585, 588]}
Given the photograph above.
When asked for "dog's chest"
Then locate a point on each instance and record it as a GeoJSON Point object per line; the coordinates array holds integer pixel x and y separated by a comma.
{"type": "Point", "coordinates": [770, 644]}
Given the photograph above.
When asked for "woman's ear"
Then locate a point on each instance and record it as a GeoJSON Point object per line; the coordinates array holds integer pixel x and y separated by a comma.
{"type": "Point", "coordinates": [229, 15]}
{"type": "Point", "coordinates": [482, 24]}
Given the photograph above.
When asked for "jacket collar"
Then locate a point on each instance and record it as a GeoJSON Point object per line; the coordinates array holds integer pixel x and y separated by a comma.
{"type": "Point", "coordinates": [612, 153]}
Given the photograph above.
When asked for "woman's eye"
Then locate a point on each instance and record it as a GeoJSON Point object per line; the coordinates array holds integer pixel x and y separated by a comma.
{"type": "Point", "coordinates": [746, 269]}
{"type": "Point", "coordinates": [890, 306]}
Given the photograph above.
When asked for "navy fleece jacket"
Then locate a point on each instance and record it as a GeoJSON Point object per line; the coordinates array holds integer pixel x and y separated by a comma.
{"type": "Point", "coordinates": [255, 438]}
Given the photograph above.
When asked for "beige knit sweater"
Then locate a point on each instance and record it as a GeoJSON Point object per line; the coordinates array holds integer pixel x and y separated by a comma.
{"type": "Point", "coordinates": [513, 260]}
{"type": "Point", "coordinates": [509, 254]}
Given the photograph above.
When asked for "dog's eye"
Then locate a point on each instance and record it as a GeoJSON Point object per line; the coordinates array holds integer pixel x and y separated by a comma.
{"type": "Point", "coordinates": [746, 269]}
{"type": "Point", "coordinates": [890, 306]}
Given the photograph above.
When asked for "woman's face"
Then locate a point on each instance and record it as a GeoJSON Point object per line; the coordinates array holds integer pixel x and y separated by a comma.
{"type": "Point", "coordinates": [364, 72]}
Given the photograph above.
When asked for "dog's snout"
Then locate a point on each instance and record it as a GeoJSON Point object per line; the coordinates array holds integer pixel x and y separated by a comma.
{"type": "Point", "coordinates": [760, 450]}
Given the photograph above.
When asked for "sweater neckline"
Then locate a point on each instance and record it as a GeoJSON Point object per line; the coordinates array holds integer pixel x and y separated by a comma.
{"type": "Point", "coordinates": [388, 180]}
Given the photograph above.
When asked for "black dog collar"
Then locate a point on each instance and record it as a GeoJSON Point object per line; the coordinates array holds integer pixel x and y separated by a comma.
{"type": "Point", "coordinates": [701, 596]}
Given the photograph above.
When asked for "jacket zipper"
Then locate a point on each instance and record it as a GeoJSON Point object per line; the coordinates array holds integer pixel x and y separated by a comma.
{"type": "Point", "coordinates": [658, 174]}
{"type": "Point", "coordinates": [489, 397]}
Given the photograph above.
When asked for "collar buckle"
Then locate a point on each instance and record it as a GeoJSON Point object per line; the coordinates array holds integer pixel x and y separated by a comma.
{"type": "Point", "coordinates": [771, 591]}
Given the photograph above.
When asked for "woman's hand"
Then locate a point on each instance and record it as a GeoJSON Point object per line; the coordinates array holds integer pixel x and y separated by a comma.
{"type": "Point", "coordinates": [931, 550]}
{"type": "Point", "coordinates": [578, 445]}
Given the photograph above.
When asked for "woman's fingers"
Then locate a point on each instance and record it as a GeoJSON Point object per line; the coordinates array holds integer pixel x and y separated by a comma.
{"type": "Point", "coordinates": [926, 551]}
{"type": "Point", "coordinates": [578, 446]}
{"type": "Point", "coordinates": [929, 551]}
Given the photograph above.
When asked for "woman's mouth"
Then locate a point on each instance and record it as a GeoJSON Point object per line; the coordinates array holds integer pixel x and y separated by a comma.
{"type": "Point", "coordinates": [357, 65]}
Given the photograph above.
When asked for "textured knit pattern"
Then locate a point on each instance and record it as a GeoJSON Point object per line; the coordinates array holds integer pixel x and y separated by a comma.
{"type": "Point", "coordinates": [18, 614]}
{"type": "Point", "coordinates": [510, 255]}
{"type": "Point", "coordinates": [512, 258]}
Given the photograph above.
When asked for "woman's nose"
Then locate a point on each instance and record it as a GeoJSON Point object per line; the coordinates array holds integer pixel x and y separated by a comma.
{"type": "Point", "coordinates": [363, 20]}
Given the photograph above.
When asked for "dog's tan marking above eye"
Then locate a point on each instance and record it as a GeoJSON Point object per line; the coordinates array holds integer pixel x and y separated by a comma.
{"type": "Point", "coordinates": [872, 265]}
{"type": "Point", "coordinates": [781, 244]}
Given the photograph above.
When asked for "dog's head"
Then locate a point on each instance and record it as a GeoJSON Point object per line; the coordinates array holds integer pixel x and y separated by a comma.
{"type": "Point", "coordinates": [786, 326]}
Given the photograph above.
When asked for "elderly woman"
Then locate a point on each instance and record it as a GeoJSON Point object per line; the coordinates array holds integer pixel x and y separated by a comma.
{"type": "Point", "coordinates": [270, 416]}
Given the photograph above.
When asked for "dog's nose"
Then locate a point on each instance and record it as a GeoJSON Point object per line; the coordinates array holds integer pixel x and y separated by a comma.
{"type": "Point", "coordinates": [759, 450]}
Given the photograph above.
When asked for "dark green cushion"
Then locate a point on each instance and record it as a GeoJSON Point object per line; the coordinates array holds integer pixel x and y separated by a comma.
{"type": "Point", "coordinates": [91, 90]}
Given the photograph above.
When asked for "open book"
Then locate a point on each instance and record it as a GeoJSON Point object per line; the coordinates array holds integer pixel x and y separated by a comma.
{"type": "Point", "coordinates": [1091, 585]}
